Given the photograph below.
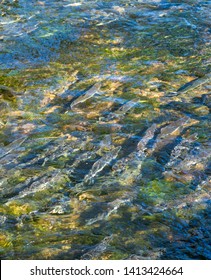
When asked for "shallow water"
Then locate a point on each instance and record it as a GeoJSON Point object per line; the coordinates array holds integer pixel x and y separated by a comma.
{"type": "Point", "coordinates": [105, 129]}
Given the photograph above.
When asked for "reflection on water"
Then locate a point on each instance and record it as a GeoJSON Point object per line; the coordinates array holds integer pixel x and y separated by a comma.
{"type": "Point", "coordinates": [104, 129]}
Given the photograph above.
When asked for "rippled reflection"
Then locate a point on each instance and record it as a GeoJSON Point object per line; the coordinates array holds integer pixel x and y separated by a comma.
{"type": "Point", "coordinates": [105, 129]}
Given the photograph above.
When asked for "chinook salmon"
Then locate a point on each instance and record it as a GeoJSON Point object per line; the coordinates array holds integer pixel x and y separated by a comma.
{"type": "Point", "coordinates": [127, 106]}
{"type": "Point", "coordinates": [102, 163]}
{"type": "Point", "coordinates": [149, 134]}
{"type": "Point", "coordinates": [14, 145]}
{"type": "Point", "coordinates": [194, 84]}
{"type": "Point", "coordinates": [91, 92]}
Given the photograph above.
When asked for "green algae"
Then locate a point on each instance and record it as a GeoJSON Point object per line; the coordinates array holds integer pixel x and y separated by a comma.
{"type": "Point", "coordinates": [17, 209]}
{"type": "Point", "coordinates": [158, 191]}
{"type": "Point", "coordinates": [133, 60]}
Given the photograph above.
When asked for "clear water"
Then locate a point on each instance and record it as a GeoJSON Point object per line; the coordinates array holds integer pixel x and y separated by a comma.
{"type": "Point", "coordinates": [105, 129]}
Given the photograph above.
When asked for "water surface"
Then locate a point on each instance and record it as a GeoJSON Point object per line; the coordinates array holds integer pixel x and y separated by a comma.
{"type": "Point", "coordinates": [105, 129]}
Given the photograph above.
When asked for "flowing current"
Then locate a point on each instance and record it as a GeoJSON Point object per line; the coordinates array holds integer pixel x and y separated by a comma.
{"type": "Point", "coordinates": [105, 129]}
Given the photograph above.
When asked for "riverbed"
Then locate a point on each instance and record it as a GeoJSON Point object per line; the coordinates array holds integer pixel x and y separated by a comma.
{"type": "Point", "coordinates": [105, 129]}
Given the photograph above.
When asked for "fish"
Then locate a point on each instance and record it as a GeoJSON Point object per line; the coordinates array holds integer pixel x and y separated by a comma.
{"type": "Point", "coordinates": [10, 192]}
{"type": "Point", "coordinates": [191, 159]}
{"type": "Point", "coordinates": [120, 113]}
{"type": "Point", "coordinates": [101, 164]}
{"type": "Point", "coordinates": [51, 151]}
{"type": "Point", "coordinates": [181, 150]}
{"type": "Point", "coordinates": [9, 21]}
{"type": "Point", "coordinates": [149, 134]}
{"type": "Point", "coordinates": [91, 92]}
{"type": "Point", "coordinates": [127, 106]}
{"type": "Point", "coordinates": [130, 167]}
{"type": "Point", "coordinates": [194, 84]}
{"type": "Point", "coordinates": [12, 146]}
{"type": "Point", "coordinates": [105, 144]}
{"type": "Point", "coordinates": [169, 137]}
{"type": "Point", "coordinates": [65, 151]}
{"type": "Point", "coordinates": [176, 127]}
{"type": "Point", "coordinates": [37, 184]}
{"type": "Point", "coordinates": [105, 23]}
{"type": "Point", "coordinates": [136, 158]}
{"type": "Point", "coordinates": [112, 207]}
{"type": "Point", "coordinates": [98, 249]}
{"type": "Point", "coordinates": [72, 5]}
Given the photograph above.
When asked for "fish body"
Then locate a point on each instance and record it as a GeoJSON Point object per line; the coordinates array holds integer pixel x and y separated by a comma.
{"type": "Point", "coordinates": [14, 145]}
{"type": "Point", "coordinates": [127, 106]}
{"type": "Point", "coordinates": [194, 84]}
{"type": "Point", "coordinates": [149, 134]}
{"type": "Point", "coordinates": [176, 127]}
{"type": "Point", "coordinates": [91, 92]}
{"type": "Point", "coordinates": [102, 163]}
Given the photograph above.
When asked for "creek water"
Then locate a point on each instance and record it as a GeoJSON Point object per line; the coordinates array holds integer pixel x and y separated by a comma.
{"type": "Point", "coordinates": [105, 129]}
